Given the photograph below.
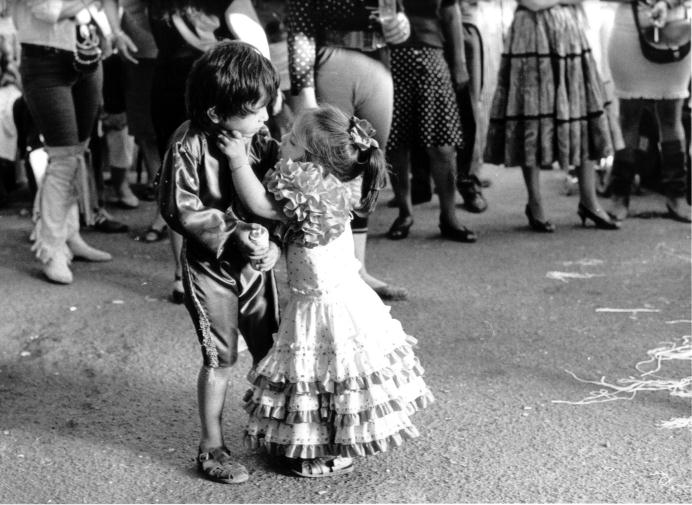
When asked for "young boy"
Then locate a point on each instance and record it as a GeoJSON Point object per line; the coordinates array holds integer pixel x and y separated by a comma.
{"type": "Point", "coordinates": [228, 90]}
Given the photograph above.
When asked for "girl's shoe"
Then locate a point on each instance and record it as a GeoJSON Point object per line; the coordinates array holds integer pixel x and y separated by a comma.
{"type": "Point", "coordinates": [400, 228]}
{"type": "Point", "coordinates": [322, 467]}
{"type": "Point", "coordinates": [600, 222]}
{"type": "Point", "coordinates": [178, 293]}
{"type": "Point", "coordinates": [536, 225]}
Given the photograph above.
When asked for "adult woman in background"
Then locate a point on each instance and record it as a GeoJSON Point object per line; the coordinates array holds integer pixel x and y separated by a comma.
{"type": "Point", "coordinates": [338, 55]}
{"type": "Point", "coordinates": [642, 84]}
{"type": "Point", "coordinates": [63, 98]}
{"type": "Point", "coordinates": [549, 106]}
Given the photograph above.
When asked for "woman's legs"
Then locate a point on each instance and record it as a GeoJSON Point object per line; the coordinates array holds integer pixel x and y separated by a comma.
{"type": "Point", "coordinates": [624, 167]}
{"type": "Point", "coordinates": [400, 159]}
{"type": "Point", "coordinates": [674, 170]}
{"type": "Point", "coordinates": [533, 189]}
{"type": "Point", "coordinates": [64, 106]}
{"type": "Point", "coordinates": [442, 167]}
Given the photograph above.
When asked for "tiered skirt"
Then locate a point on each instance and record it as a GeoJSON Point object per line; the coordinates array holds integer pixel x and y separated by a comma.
{"type": "Point", "coordinates": [341, 379]}
{"type": "Point", "coordinates": [550, 104]}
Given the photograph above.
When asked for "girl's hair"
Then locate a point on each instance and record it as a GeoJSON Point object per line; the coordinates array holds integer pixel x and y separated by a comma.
{"type": "Point", "coordinates": [326, 136]}
{"type": "Point", "coordinates": [233, 78]}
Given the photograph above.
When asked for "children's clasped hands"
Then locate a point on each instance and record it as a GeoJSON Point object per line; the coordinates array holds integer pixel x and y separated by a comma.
{"type": "Point", "coordinates": [263, 257]}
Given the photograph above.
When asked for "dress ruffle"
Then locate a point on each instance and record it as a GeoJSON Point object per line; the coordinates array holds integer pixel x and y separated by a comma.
{"type": "Point", "coordinates": [302, 404]}
{"type": "Point", "coordinates": [317, 204]}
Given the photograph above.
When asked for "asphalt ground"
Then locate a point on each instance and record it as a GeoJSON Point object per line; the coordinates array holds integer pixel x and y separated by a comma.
{"type": "Point", "coordinates": [97, 379]}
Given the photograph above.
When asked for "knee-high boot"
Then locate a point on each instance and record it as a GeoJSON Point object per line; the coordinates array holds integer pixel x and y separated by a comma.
{"type": "Point", "coordinates": [673, 170]}
{"type": "Point", "coordinates": [674, 179]}
{"type": "Point", "coordinates": [56, 206]}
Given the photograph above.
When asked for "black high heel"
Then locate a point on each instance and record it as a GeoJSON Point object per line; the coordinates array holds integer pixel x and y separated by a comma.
{"type": "Point", "coordinates": [461, 234]}
{"type": "Point", "coordinates": [600, 222]}
{"type": "Point", "coordinates": [536, 225]}
{"type": "Point", "coordinates": [400, 228]}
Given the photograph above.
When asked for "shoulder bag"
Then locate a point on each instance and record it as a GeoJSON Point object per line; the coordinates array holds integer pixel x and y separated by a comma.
{"type": "Point", "coordinates": [667, 44]}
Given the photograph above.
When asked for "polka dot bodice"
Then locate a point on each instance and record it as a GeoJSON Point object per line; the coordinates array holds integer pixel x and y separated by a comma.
{"type": "Point", "coordinates": [308, 19]}
{"type": "Point", "coordinates": [317, 271]}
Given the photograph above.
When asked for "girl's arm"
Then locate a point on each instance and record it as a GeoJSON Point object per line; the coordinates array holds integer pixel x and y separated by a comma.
{"type": "Point", "coordinates": [250, 190]}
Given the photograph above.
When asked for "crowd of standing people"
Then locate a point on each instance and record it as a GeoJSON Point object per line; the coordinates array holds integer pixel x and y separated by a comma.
{"type": "Point", "coordinates": [370, 84]}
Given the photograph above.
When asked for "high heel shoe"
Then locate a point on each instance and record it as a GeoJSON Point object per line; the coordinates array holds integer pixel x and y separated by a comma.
{"type": "Point", "coordinates": [536, 225]}
{"type": "Point", "coordinates": [600, 222]}
{"type": "Point", "coordinates": [400, 228]}
{"type": "Point", "coordinates": [458, 234]}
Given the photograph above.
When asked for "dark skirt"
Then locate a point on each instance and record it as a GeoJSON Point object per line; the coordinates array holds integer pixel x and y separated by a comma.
{"type": "Point", "coordinates": [550, 103]}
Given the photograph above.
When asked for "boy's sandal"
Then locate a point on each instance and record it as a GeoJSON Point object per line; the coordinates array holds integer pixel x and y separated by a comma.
{"type": "Point", "coordinates": [218, 466]}
{"type": "Point", "coordinates": [323, 467]}
{"type": "Point", "coordinates": [154, 235]}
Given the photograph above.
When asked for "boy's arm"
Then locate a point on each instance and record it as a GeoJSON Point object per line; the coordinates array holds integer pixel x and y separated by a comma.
{"type": "Point", "coordinates": [184, 211]}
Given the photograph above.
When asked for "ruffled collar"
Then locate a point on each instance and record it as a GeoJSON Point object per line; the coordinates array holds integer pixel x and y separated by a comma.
{"type": "Point", "coordinates": [316, 202]}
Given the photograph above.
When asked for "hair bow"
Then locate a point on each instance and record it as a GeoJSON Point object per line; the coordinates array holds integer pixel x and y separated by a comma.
{"type": "Point", "coordinates": [361, 132]}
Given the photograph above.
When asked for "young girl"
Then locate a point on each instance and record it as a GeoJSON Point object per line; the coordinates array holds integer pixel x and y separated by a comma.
{"type": "Point", "coordinates": [341, 379]}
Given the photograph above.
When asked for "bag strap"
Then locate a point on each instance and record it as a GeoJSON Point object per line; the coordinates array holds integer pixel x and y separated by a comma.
{"type": "Point", "coordinates": [635, 13]}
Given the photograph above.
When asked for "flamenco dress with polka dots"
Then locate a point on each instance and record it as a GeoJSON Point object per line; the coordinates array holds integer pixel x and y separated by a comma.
{"type": "Point", "coordinates": [341, 378]}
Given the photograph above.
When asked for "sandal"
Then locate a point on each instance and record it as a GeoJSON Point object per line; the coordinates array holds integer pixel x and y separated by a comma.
{"type": "Point", "coordinates": [154, 235]}
{"type": "Point", "coordinates": [322, 467]}
{"type": "Point", "coordinates": [218, 466]}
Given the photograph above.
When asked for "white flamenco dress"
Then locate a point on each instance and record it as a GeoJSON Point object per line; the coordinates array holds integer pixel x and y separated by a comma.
{"type": "Point", "coordinates": [341, 378]}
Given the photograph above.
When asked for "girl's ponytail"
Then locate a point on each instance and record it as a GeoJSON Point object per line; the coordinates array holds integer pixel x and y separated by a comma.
{"type": "Point", "coordinates": [374, 178]}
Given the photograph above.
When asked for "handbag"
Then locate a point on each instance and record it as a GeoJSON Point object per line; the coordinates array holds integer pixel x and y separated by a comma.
{"type": "Point", "coordinates": [667, 44]}
{"type": "Point", "coordinates": [88, 52]}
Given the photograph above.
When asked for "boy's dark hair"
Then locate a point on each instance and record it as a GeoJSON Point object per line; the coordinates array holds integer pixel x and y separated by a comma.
{"type": "Point", "coordinates": [233, 77]}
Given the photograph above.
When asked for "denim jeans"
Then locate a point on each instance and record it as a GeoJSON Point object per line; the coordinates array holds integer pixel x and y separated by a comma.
{"type": "Point", "coordinates": [64, 105]}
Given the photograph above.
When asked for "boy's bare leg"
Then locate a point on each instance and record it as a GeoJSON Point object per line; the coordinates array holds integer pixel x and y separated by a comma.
{"type": "Point", "coordinates": [212, 384]}
{"type": "Point", "coordinates": [177, 294]}
{"type": "Point", "coordinates": [214, 460]}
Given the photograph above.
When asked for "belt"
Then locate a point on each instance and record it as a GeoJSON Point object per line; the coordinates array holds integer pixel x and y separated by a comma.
{"type": "Point", "coordinates": [361, 40]}
{"type": "Point", "coordinates": [38, 51]}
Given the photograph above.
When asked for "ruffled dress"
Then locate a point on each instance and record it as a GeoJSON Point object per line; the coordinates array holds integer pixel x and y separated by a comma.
{"type": "Point", "coordinates": [341, 378]}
